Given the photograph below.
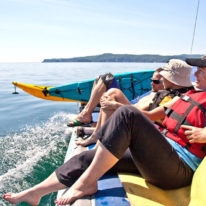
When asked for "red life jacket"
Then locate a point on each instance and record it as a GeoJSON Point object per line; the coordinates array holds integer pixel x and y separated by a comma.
{"type": "Point", "coordinates": [190, 109]}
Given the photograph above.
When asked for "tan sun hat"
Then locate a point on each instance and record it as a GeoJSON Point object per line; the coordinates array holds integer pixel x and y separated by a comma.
{"type": "Point", "coordinates": [177, 72]}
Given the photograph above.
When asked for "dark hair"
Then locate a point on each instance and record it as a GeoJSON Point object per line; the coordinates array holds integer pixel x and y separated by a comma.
{"type": "Point", "coordinates": [159, 69]}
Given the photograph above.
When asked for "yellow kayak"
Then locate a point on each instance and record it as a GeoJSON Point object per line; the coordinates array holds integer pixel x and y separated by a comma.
{"type": "Point", "coordinates": [38, 91]}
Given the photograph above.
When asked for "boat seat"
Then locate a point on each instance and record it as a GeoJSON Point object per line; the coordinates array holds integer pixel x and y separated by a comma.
{"type": "Point", "coordinates": [142, 193]}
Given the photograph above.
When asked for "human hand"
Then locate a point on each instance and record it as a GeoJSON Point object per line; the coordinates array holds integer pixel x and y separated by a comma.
{"type": "Point", "coordinates": [105, 96]}
{"type": "Point", "coordinates": [107, 102]}
{"type": "Point", "coordinates": [195, 134]}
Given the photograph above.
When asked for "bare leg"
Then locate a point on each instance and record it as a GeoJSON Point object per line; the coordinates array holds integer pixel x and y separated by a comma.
{"type": "Point", "coordinates": [97, 92]}
{"type": "Point", "coordinates": [118, 96]}
{"type": "Point", "coordinates": [95, 97]}
{"type": "Point", "coordinates": [87, 183]}
{"type": "Point", "coordinates": [115, 95]}
{"type": "Point", "coordinates": [104, 115]}
{"type": "Point", "coordinates": [34, 194]}
{"type": "Point", "coordinates": [92, 139]}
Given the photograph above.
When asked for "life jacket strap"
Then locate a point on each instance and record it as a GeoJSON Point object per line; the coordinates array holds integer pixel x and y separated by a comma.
{"type": "Point", "coordinates": [187, 146]}
{"type": "Point", "coordinates": [168, 111]}
{"type": "Point", "coordinates": [195, 103]}
{"type": "Point", "coordinates": [182, 118]}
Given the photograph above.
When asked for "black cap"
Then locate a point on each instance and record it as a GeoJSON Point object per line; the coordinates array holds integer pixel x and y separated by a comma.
{"type": "Point", "coordinates": [198, 62]}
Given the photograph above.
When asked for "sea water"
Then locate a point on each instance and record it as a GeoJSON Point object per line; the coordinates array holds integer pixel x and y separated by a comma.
{"type": "Point", "coordinates": [32, 131]}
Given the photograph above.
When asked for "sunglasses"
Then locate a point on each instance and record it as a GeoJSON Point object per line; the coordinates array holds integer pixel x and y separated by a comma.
{"type": "Point", "coordinates": [156, 81]}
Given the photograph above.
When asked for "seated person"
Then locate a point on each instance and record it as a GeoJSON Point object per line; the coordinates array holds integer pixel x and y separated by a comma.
{"type": "Point", "coordinates": [100, 86]}
{"type": "Point", "coordinates": [176, 80]}
{"type": "Point", "coordinates": [130, 142]}
{"type": "Point", "coordinates": [156, 84]}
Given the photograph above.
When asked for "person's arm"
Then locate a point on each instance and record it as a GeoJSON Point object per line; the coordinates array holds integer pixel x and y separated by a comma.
{"type": "Point", "coordinates": [159, 112]}
{"type": "Point", "coordinates": [143, 104]}
{"type": "Point", "coordinates": [142, 107]}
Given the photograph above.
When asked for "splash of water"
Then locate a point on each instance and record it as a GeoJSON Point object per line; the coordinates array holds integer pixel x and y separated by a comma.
{"type": "Point", "coordinates": [32, 154]}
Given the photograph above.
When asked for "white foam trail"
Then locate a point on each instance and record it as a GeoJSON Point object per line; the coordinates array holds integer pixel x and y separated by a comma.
{"type": "Point", "coordinates": [20, 152]}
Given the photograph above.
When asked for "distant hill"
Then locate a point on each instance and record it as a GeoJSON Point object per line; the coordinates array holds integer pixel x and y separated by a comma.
{"type": "Point", "coordinates": [109, 57]}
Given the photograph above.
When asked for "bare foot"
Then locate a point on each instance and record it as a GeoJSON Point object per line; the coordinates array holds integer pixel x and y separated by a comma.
{"type": "Point", "coordinates": [83, 118]}
{"type": "Point", "coordinates": [90, 140]}
{"type": "Point", "coordinates": [75, 192]}
{"type": "Point", "coordinates": [25, 196]}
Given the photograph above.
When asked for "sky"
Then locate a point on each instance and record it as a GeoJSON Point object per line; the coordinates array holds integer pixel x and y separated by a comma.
{"type": "Point", "coordinates": [33, 30]}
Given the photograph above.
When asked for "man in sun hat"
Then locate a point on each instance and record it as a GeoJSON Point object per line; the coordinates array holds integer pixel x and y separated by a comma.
{"type": "Point", "coordinates": [176, 80]}
{"type": "Point", "coordinates": [177, 72]}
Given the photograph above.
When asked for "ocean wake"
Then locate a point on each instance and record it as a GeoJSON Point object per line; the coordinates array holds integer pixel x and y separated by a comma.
{"type": "Point", "coordinates": [31, 155]}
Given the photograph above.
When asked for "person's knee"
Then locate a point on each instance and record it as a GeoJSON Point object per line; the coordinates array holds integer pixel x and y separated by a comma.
{"type": "Point", "coordinates": [114, 92]}
{"type": "Point", "coordinates": [100, 83]}
{"type": "Point", "coordinates": [101, 86]}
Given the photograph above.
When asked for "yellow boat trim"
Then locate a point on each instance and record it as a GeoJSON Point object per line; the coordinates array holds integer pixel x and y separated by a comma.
{"type": "Point", "coordinates": [142, 193]}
